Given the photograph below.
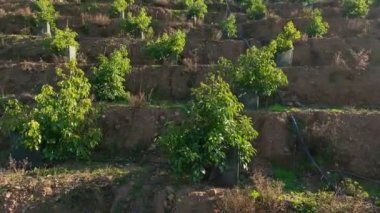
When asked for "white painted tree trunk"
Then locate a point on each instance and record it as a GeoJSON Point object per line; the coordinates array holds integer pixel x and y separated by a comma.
{"type": "Point", "coordinates": [142, 35]}
{"type": "Point", "coordinates": [72, 53]}
{"type": "Point", "coordinates": [195, 20]}
{"type": "Point", "coordinates": [46, 29]}
{"type": "Point", "coordinates": [122, 14]}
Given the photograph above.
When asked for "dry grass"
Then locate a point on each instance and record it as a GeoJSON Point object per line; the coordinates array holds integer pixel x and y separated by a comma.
{"type": "Point", "coordinates": [270, 193]}
{"type": "Point", "coordinates": [21, 190]}
{"type": "Point", "coordinates": [23, 11]}
{"type": "Point", "coordinates": [236, 201]}
{"type": "Point", "coordinates": [267, 195]}
{"type": "Point", "coordinates": [361, 58]}
{"type": "Point", "coordinates": [138, 100]}
{"type": "Point", "coordinates": [97, 19]}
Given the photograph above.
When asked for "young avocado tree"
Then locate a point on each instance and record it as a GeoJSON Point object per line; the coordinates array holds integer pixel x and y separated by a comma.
{"type": "Point", "coordinates": [167, 46]}
{"type": "Point", "coordinates": [255, 71]}
{"type": "Point", "coordinates": [228, 26]}
{"type": "Point", "coordinates": [46, 15]}
{"type": "Point", "coordinates": [196, 9]}
{"type": "Point", "coordinates": [214, 124]}
{"type": "Point", "coordinates": [356, 8]}
{"type": "Point", "coordinates": [284, 42]}
{"type": "Point", "coordinates": [139, 24]}
{"type": "Point", "coordinates": [317, 27]}
{"type": "Point", "coordinates": [119, 6]}
{"type": "Point", "coordinates": [109, 76]}
{"type": "Point", "coordinates": [255, 9]}
{"type": "Point", "coordinates": [62, 123]}
{"type": "Point", "coordinates": [64, 40]}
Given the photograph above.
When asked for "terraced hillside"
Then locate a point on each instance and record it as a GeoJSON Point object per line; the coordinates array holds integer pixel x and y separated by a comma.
{"type": "Point", "coordinates": [332, 92]}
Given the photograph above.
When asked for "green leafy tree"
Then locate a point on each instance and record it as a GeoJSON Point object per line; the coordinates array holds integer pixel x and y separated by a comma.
{"type": "Point", "coordinates": [255, 71]}
{"type": "Point", "coordinates": [167, 46]}
{"type": "Point", "coordinates": [229, 26]}
{"type": "Point", "coordinates": [63, 39]}
{"type": "Point", "coordinates": [317, 27]}
{"type": "Point", "coordinates": [286, 38]}
{"type": "Point", "coordinates": [109, 75]}
{"type": "Point", "coordinates": [119, 6]}
{"type": "Point", "coordinates": [61, 123]}
{"type": "Point", "coordinates": [214, 125]}
{"type": "Point", "coordinates": [139, 24]}
{"type": "Point", "coordinates": [196, 9]}
{"type": "Point", "coordinates": [255, 9]}
{"type": "Point", "coordinates": [46, 12]}
{"type": "Point", "coordinates": [356, 8]}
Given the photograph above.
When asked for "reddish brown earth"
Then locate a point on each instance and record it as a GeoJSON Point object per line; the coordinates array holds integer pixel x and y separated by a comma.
{"type": "Point", "coordinates": [324, 73]}
{"type": "Point", "coordinates": [317, 77]}
{"type": "Point", "coordinates": [336, 136]}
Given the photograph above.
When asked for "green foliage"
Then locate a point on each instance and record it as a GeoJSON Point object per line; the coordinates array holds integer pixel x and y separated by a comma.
{"type": "Point", "coordinates": [356, 8]}
{"type": "Point", "coordinates": [317, 27]}
{"type": "Point", "coordinates": [15, 115]}
{"type": "Point", "coordinates": [196, 8]}
{"type": "Point", "coordinates": [305, 201]}
{"type": "Point", "coordinates": [256, 71]}
{"type": "Point", "coordinates": [214, 124]}
{"type": "Point", "coordinates": [288, 177]}
{"type": "Point", "coordinates": [255, 9]}
{"type": "Point", "coordinates": [139, 24]}
{"type": "Point", "coordinates": [167, 46]}
{"type": "Point", "coordinates": [63, 39]}
{"type": "Point", "coordinates": [286, 38]}
{"type": "Point", "coordinates": [121, 5]}
{"type": "Point", "coordinates": [46, 11]}
{"type": "Point", "coordinates": [61, 123]}
{"type": "Point", "coordinates": [309, 2]}
{"type": "Point", "coordinates": [353, 188]}
{"type": "Point", "coordinates": [229, 26]}
{"type": "Point", "coordinates": [278, 108]}
{"type": "Point", "coordinates": [110, 75]}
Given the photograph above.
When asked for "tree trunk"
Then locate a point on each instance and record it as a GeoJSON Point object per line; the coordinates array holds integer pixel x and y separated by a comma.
{"type": "Point", "coordinates": [46, 29]}
{"type": "Point", "coordinates": [142, 35]}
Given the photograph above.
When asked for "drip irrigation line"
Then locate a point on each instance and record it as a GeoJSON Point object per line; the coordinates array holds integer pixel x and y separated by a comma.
{"type": "Point", "coordinates": [301, 140]}
{"type": "Point", "coordinates": [228, 9]}
{"type": "Point", "coordinates": [345, 173]}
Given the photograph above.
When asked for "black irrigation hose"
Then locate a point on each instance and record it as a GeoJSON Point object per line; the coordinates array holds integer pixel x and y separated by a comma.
{"type": "Point", "coordinates": [305, 147]}
{"type": "Point", "coordinates": [296, 128]}
{"type": "Point", "coordinates": [345, 173]}
{"type": "Point", "coordinates": [301, 140]}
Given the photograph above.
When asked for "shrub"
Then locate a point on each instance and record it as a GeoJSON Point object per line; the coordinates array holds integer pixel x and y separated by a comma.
{"type": "Point", "coordinates": [256, 71]}
{"type": "Point", "coordinates": [255, 9]}
{"type": "Point", "coordinates": [286, 38]}
{"type": "Point", "coordinates": [46, 12]}
{"type": "Point", "coordinates": [214, 124]}
{"type": "Point", "coordinates": [167, 46]}
{"type": "Point", "coordinates": [120, 6]}
{"type": "Point", "coordinates": [317, 27]}
{"type": "Point", "coordinates": [139, 24]}
{"type": "Point", "coordinates": [110, 75]}
{"type": "Point", "coordinates": [356, 8]}
{"type": "Point", "coordinates": [196, 9]}
{"type": "Point", "coordinates": [61, 124]}
{"type": "Point", "coordinates": [63, 39]}
{"type": "Point", "coordinates": [229, 26]}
